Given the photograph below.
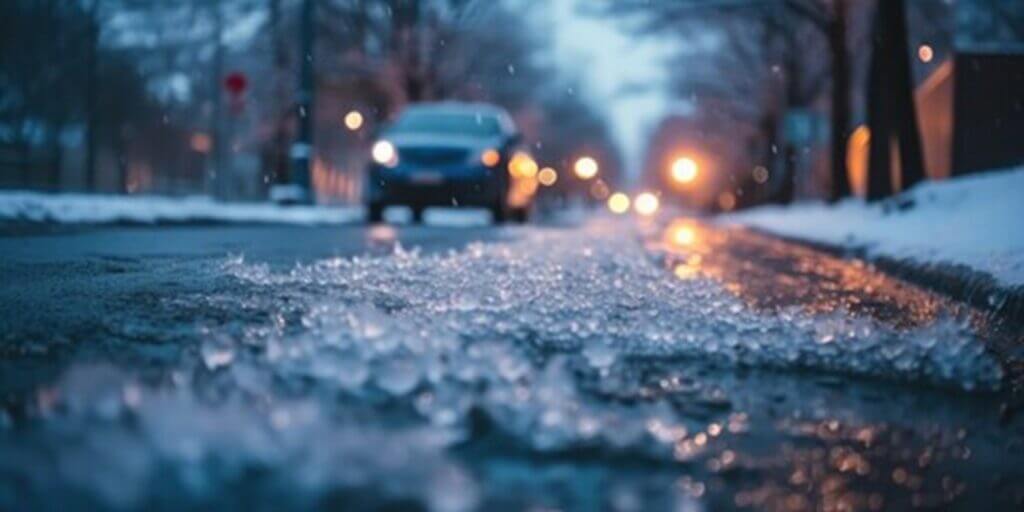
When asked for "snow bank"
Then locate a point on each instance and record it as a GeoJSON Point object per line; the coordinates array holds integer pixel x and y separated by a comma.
{"type": "Point", "coordinates": [977, 221]}
{"type": "Point", "coordinates": [104, 209]}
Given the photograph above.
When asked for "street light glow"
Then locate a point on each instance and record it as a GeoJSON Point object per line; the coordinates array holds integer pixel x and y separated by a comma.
{"type": "Point", "coordinates": [926, 53]}
{"type": "Point", "coordinates": [354, 120]}
{"type": "Point", "coordinates": [646, 204]}
{"type": "Point", "coordinates": [547, 176]}
{"type": "Point", "coordinates": [684, 170]}
{"type": "Point", "coordinates": [618, 203]}
{"type": "Point", "coordinates": [201, 143]}
{"type": "Point", "coordinates": [586, 168]}
{"type": "Point", "coordinates": [683, 235]}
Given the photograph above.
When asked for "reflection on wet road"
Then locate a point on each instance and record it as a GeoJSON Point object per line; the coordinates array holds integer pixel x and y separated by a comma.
{"type": "Point", "coordinates": [773, 275]}
{"type": "Point", "coordinates": [535, 369]}
{"type": "Point", "coordinates": [777, 277]}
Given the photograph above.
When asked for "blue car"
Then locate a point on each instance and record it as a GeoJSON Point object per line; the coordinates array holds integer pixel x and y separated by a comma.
{"type": "Point", "coordinates": [451, 155]}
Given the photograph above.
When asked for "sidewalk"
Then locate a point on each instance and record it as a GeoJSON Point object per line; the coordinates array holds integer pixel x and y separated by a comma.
{"type": "Point", "coordinates": [36, 207]}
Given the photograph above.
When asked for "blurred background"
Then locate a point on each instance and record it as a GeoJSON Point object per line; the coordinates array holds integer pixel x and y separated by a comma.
{"type": "Point", "coordinates": [718, 104]}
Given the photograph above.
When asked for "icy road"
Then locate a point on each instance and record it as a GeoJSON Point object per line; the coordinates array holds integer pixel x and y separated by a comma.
{"type": "Point", "coordinates": [609, 365]}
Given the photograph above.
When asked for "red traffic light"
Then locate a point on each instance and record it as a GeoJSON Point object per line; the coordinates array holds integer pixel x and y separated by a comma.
{"type": "Point", "coordinates": [236, 83]}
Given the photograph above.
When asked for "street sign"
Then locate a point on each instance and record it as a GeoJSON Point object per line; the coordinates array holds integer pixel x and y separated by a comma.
{"type": "Point", "coordinates": [236, 83]}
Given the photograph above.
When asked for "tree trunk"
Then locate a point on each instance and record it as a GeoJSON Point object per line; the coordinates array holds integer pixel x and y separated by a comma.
{"type": "Point", "coordinates": [892, 116]}
{"type": "Point", "coordinates": [302, 150]}
{"type": "Point", "coordinates": [879, 108]}
{"type": "Point", "coordinates": [911, 159]}
{"type": "Point", "coordinates": [840, 186]}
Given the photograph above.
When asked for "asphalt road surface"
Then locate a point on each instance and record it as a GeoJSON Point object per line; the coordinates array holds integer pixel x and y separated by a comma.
{"type": "Point", "coordinates": [603, 365]}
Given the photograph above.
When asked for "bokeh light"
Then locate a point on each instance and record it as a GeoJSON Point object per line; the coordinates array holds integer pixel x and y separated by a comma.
{"type": "Point", "coordinates": [547, 176]}
{"type": "Point", "coordinates": [646, 204]}
{"type": "Point", "coordinates": [760, 174]}
{"type": "Point", "coordinates": [619, 203]}
{"type": "Point", "coordinates": [490, 157]}
{"type": "Point", "coordinates": [727, 201]}
{"type": "Point", "coordinates": [354, 120]}
{"type": "Point", "coordinates": [586, 168]}
{"type": "Point", "coordinates": [384, 153]}
{"type": "Point", "coordinates": [684, 170]}
{"type": "Point", "coordinates": [926, 53]}
{"type": "Point", "coordinates": [201, 143]}
{"type": "Point", "coordinates": [522, 165]}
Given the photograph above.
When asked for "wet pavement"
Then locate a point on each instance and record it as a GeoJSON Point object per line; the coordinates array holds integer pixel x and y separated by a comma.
{"type": "Point", "coordinates": [606, 365]}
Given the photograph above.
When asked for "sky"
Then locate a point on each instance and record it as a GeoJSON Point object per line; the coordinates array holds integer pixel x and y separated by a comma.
{"type": "Point", "coordinates": [621, 73]}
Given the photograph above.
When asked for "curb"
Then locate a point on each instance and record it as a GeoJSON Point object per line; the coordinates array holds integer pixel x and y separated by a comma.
{"type": "Point", "coordinates": [956, 281]}
{"type": "Point", "coordinates": [1003, 305]}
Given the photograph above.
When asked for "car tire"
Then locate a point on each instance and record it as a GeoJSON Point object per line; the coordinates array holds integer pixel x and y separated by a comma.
{"type": "Point", "coordinates": [498, 214]}
{"type": "Point", "coordinates": [375, 213]}
{"type": "Point", "coordinates": [417, 214]}
{"type": "Point", "coordinates": [521, 215]}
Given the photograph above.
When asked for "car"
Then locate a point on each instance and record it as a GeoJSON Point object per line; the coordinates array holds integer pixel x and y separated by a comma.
{"type": "Point", "coordinates": [453, 155]}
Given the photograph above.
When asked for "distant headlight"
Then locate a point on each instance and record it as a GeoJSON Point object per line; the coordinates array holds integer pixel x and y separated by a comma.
{"type": "Point", "coordinates": [490, 157]}
{"type": "Point", "coordinates": [384, 153]}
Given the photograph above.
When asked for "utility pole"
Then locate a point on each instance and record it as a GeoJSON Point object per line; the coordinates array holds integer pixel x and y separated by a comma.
{"type": "Point", "coordinates": [302, 149]}
{"type": "Point", "coordinates": [220, 176]}
{"type": "Point", "coordinates": [91, 110]}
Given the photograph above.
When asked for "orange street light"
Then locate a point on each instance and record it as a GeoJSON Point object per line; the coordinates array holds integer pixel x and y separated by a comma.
{"type": "Point", "coordinates": [685, 170]}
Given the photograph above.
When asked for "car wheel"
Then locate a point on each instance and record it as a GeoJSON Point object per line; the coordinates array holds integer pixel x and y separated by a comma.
{"type": "Point", "coordinates": [521, 215]}
{"type": "Point", "coordinates": [498, 213]}
{"type": "Point", "coordinates": [375, 212]}
{"type": "Point", "coordinates": [417, 214]}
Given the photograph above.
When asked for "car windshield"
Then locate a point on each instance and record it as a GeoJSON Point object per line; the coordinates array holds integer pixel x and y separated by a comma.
{"type": "Point", "coordinates": [472, 125]}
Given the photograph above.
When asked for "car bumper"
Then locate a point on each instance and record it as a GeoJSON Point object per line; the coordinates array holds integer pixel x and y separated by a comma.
{"type": "Point", "coordinates": [474, 187]}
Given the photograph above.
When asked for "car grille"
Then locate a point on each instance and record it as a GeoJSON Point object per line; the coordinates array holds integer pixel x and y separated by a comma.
{"type": "Point", "coordinates": [432, 156]}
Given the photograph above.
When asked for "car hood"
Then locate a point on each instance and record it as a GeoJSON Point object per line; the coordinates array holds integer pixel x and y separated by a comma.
{"type": "Point", "coordinates": [426, 140]}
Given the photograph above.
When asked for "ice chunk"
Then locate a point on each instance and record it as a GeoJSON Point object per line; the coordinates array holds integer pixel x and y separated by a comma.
{"type": "Point", "coordinates": [217, 352]}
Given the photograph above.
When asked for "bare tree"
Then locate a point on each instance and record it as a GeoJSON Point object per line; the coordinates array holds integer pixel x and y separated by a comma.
{"type": "Point", "coordinates": [781, 22]}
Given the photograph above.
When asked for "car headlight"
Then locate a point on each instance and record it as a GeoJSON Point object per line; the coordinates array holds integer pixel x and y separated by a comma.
{"type": "Point", "coordinates": [384, 153]}
{"type": "Point", "coordinates": [490, 157]}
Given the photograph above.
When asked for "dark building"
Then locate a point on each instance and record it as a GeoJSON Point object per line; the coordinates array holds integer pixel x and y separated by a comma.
{"type": "Point", "coordinates": [989, 110]}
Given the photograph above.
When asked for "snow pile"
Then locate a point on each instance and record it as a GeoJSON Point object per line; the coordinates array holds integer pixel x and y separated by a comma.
{"type": "Point", "coordinates": [977, 221]}
{"type": "Point", "coordinates": [101, 209]}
